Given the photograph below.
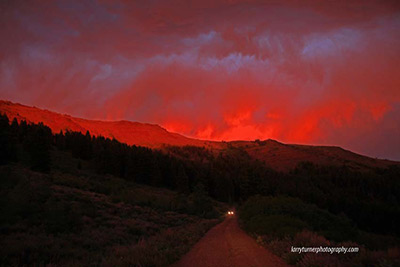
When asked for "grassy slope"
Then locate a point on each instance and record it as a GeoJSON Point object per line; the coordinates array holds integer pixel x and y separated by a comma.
{"type": "Point", "coordinates": [74, 217]}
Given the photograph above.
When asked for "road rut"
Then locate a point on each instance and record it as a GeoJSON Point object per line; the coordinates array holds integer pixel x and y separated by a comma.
{"type": "Point", "coordinates": [228, 245]}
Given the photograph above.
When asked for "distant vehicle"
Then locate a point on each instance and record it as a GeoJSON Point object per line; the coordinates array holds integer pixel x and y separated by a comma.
{"type": "Point", "coordinates": [231, 212]}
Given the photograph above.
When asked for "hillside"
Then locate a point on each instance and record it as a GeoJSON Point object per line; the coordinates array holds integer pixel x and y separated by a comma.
{"type": "Point", "coordinates": [276, 155]}
{"type": "Point", "coordinates": [285, 157]}
{"type": "Point", "coordinates": [132, 133]}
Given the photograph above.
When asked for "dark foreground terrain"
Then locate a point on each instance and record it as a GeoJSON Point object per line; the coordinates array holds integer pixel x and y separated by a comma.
{"type": "Point", "coordinates": [81, 220]}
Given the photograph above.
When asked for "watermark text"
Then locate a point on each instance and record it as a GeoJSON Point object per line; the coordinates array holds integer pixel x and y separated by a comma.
{"type": "Point", "coordinates": [321, 249]}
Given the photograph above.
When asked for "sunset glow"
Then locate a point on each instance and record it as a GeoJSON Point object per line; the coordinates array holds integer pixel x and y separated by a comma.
{"type": "Point", "coordinates": [316, 73]}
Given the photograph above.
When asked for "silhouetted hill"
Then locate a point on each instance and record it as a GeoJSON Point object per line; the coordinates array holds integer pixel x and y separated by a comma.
{"type": "Point", "coordinates": [276, 155]}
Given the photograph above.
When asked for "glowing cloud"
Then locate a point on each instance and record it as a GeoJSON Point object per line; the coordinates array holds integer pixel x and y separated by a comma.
{"type": "Point", "coordinates": [319, 72]}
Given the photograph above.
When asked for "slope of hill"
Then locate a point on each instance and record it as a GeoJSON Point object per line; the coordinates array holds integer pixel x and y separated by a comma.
{"type": "Point", "coordinates": [285, 157]}
{"type": "Point", "coordinates": [132, 133]}
{"type": "Point", "coordinates": [279, 156]}
{"type": "Point", "coordinates": [77, 218]}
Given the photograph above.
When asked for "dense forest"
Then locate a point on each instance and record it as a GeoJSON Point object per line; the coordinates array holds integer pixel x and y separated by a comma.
{"type": "Point", "coordinates": [368, 200]}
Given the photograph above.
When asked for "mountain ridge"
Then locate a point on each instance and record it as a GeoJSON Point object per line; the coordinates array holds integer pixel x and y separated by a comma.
{"type": "Point", "coordinates": [277, 155]}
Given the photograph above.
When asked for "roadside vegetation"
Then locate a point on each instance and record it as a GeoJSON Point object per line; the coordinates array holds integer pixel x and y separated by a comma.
{"type": "Point", "coordinates": [68, 220]}
{"type": "Point", "coordinates": [282, 222]}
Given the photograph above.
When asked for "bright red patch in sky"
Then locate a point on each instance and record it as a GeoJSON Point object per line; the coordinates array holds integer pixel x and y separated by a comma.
{"type": "Point", "coordinates": [314, 72]}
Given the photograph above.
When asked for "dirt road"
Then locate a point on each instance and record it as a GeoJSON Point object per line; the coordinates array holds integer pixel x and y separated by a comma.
{"type": "Point", "coordinates": [228, 245]}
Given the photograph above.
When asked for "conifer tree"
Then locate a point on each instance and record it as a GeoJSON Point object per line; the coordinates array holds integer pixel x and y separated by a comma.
{"type": "Point", "coordinates": [7, 141]}
{"type": "Point", "coordinates": [38, 144]}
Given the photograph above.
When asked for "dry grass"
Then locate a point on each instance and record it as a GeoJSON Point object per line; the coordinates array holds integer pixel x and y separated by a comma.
{"type": "Point", "coordinates": [159, 250]}
{"type": "Point", "coordinates": [63, 220]}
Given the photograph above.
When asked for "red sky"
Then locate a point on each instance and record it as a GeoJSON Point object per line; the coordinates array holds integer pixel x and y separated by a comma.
{"type": "Point", "coordinates": [314, 72]}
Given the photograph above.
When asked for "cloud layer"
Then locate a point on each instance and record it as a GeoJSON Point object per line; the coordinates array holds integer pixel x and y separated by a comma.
{"type": "Point", "coordinates": [318, 73]}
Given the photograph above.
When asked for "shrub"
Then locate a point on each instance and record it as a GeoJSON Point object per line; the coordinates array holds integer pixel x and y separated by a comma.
{"type": "Point", "coordinates": [275, 225]}
{"type": "Point", "coordinates": [160, 250]}
{"type": "Point", "coordinates": [309, 239]}
{"type": "Point", "coordinates": [299, 215]}
{"type": "Point", "coordinates": [323, 259]}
